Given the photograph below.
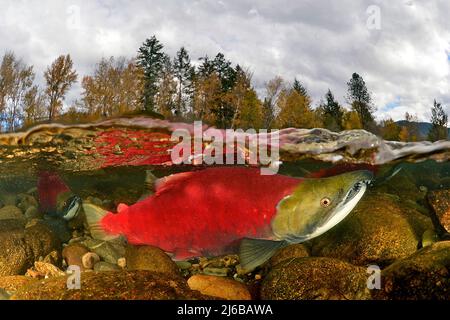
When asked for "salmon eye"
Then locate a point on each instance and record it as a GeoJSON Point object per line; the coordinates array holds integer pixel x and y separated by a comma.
{"type": "Point", "coordinates": [325, 202]}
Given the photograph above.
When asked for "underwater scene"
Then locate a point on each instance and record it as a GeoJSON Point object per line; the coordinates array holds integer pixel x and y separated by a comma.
{"type": "Point", "coordinates": [101, 211]}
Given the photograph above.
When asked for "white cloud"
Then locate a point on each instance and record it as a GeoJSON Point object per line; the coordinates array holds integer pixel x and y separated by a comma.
{"type": "Point", "coordinates": [322, 43]}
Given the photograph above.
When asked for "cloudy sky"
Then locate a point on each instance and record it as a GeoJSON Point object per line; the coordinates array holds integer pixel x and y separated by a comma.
{"type": "Point", "coordinates": [401, 48]}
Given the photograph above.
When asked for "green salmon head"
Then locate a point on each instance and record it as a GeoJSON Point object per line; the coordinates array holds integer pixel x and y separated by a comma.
{"type": "Point", "coordinates": [317, 205]}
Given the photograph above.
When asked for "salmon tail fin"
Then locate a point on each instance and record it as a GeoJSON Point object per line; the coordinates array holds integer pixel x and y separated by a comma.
{"type": "Point", "coordinates": [94, 215]}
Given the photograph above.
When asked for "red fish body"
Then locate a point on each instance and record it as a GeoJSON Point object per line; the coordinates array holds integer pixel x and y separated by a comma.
{"type": "Point", "coordinates": [49, 186]}
{"type": "Point", "coordinates": [203, 212]}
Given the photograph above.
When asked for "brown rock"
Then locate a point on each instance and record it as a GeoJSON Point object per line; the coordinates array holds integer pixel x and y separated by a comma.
{"type": "Point", "coordinates": [20, 247]}
{"type": "Point", "coordinates": [120, 285]}
{"type": "Point", "coordinates": [74, 253]}
{"type": "Point", "coordinates": [220, 287]}
{"type": "Point", "coordinates": [315, 279]}
{"type": "Point", "coordinates": [424, 275]}
{"type": "Point", "coordinates": [439, 200]}
{"type": "Point", "coordinates": [288, 253]}
{"type": "Point", "coordinates": [151, 259]}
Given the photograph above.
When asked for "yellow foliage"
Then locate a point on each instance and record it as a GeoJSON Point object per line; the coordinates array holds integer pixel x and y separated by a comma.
{"type": "Point", "coordinates": [404, 134]}
{"type": "Point", "coordinates": [295, 111]}
{"type": "Point", "coordinates": [351, 120]}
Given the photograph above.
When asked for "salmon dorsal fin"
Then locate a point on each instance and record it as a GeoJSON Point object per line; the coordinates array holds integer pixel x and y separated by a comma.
{"type": "Point", "coordinates": [255, 252]}
{"type": "Point", "coordinates": [166, 183]}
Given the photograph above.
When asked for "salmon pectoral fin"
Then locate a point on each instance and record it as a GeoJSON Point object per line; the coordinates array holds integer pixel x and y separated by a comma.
{"type": "Point", "coordinates": [255, 252]}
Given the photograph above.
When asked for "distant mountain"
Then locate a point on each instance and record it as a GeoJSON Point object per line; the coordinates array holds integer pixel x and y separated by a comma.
{"type": "Point", "coordinates": [424, 127]}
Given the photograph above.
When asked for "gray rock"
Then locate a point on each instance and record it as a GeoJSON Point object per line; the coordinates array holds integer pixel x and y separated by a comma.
{"type": "Point", "coordinates": [89, 260]}
{"type": "Point", "coordinates": [109, 251]}
{"type": "Point", "coordinates": [105, 266]}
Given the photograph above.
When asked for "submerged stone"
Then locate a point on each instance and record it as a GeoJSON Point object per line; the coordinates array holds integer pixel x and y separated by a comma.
{"type": "Point", "coordinates": [423, 275]}
{"type": "Point", "coordinates": [20, 247]}
{"type": "Point", "coordinates": [315, 279]}
{"type": "Point", "coordinates": [73, 254]}
{"type": "Point", "coordinates": [219, 287]}
{"type": "Point", "coordinates": [288, 253]}
{"type": "Point", "coordinates": [120, 285]}
{"type": "Point", "coordinates": [105, 266]}
{"type": "Point", "coordinates": [109, 251]}
{"type": "Point", "coordinates": [439, 200]}
{"type": "Point", "coordinates": [150, 258]}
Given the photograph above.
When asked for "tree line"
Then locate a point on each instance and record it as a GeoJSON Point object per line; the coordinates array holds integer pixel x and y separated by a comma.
{"type": "Point", "coordinates": [211, 89]}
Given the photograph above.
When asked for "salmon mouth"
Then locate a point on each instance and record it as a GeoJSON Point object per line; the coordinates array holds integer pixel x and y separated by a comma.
{"type": "Point", "coordinates": [355, 190]}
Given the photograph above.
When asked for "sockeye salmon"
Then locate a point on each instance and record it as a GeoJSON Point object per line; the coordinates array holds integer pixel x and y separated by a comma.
{"type": "Point", "coordinates": [218, 210]}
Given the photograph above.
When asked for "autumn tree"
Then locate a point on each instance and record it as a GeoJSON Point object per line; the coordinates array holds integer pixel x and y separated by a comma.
{"type": "Point", "coordinates": [220, 109]}
{"type": "Point", "coordinates": [351, 120]}
{"type": "Point", "coordinates": [114, 88]}
{"type": "Point", "coordinates": [439, 120]}
{"type": "Point", "coordinates": [360, 100]}
{"type": "Point", "coordinates": [273, 89]}
{"type": "Point", "coordinates": [412, 132]}
{"type": "Point", "coordinates": [331, 112]}
{"type": "Point", "coordinates": [390, 130]}
{"type": "Point", "coordinates": [151, 60]}
{"type": "Point", "coordinates": [59, 77]}
{"type": "Point", "coordinates": [34, 106]}
{"type": "Point", "coordinates": [16, 83]}
{"type": "Point", "coordinates": [247, 107]}
{"type": "Point", "coordinates": [295, 110]}
{"type": "Point", "coordinates": [182, 70]}
{"type": "Point", "coordinates": [167, 89]}
{"type": "Point", "coordinates": [206, 98]}
{"type": "Point", "coordinates": [404, 134]}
